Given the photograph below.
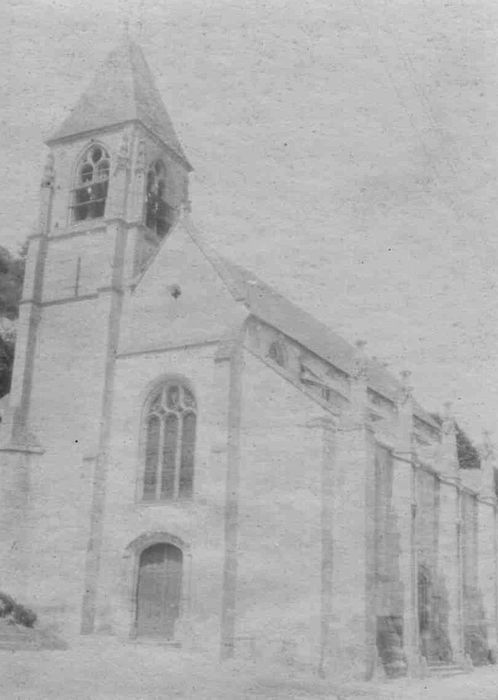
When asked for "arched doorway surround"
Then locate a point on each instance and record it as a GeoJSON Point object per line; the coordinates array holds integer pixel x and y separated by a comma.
{"type": "Point", "coordinates": [160, 583]}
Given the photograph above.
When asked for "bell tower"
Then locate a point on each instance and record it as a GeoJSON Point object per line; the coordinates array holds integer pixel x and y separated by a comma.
{"type": "Point", "coordinates": [117, 157]}
{"type": "Point", "coordinates": [115, 182]}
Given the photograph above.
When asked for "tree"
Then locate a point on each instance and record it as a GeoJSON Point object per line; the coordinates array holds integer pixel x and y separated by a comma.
{"type": "Point", "coordinates": [468, 455]}
{"type": "Point", "coordinates": [11, 279]}
{"type": "Point", "coordinates": [467, 452]}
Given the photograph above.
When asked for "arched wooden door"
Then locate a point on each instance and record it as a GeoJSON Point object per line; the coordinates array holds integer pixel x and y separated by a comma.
{"type": "Point", "coordinates": [159, 591]}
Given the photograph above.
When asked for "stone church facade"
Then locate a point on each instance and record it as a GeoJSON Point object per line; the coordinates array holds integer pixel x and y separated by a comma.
{"type": "Point", "coordinates": [188, 457]}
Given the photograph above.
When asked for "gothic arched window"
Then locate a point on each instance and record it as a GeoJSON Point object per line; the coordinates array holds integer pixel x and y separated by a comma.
{"type": "Point", "coordinates": [92, 180]}
{"type": "Point", "coordinates": [170, 427]}
{"type": "Point", "coordinates": [157, 211]}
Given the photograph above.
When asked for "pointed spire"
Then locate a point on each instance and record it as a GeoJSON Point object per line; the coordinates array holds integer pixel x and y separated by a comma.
{"type": "Point", "coordinates": [123, 90]}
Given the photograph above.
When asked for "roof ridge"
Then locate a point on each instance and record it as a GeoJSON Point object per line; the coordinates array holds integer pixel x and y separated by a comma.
{"type": "Point", "coordinates": [384, 376]}
{"type": "Point", "coordinates": [218, 262]}
{"type": "Point", "coordinates": [288, 302]}
{"type": "Point", "coordinates": [136, 54]}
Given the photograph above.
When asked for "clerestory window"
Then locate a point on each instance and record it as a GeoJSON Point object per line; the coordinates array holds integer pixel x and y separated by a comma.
{"type": "Point", "coordinates": [170, 428]}
{"type": "Point", "coordinates": [92, 180]}
{"type": "Point", "coordinates": [157, 211]}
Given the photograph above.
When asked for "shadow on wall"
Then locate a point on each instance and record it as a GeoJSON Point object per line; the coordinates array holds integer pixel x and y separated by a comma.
{"type": "Point", "coordinates": [433, 622]}
{"type": "Point", "coordinates": [475, 628]}
{"type": "Point", "coordinates": [390, 645]}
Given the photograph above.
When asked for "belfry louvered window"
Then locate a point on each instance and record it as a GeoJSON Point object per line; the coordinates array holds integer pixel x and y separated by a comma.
{"type": "Point", "coordinates": [158, 213]}
{"type": "Point", "coordinates": [92, 180]}
{"type": "Point", "coordinates": [170, 427]}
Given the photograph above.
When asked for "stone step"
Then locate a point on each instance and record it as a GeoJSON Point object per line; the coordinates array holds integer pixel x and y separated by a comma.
{"type": "Point", "coordinates": [445, 670]}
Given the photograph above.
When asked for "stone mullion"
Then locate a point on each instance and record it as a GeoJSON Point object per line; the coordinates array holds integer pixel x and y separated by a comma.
{"type": "Point", "coordinates": [178, 453]}
{"type": "Point", "coordinates": [160, 457]}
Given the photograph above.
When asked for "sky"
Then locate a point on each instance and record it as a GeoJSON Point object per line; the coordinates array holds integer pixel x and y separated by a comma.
{"type": "Point", "coordinates": [344, 151]}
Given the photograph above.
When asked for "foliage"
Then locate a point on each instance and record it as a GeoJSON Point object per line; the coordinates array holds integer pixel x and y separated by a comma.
{"type": "Point", "coordinates": [11, 279]}
{"type": "Point", "coordinates": [468, 455]}
{"type": "Point", "coordinates": [15, 612]}
{"type": "Point", "coordinates": [6, 605]}
{"type": "Point", "coordinates": [7, 345]}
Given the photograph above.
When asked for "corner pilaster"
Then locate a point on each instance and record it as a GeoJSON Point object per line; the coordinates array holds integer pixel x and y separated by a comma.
{"type": "Point", "coordinates": [450, 554]}
{"type": "Point", "coordinates": [108, 306]}
{"type": "Point", "coordinates": [233, 359]}
{"type": "Point", "coordinates": [353, 626]}
{"type": "Point", "coordinates": [325, 427]}
{"type": "Point", "coordinates": [405, 506]}
{"type": "Point", "coordinates": [486, 547]}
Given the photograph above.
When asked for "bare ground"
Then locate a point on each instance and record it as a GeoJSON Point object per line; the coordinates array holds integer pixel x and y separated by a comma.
{"type": "Point", "coordinates": [100, 669]}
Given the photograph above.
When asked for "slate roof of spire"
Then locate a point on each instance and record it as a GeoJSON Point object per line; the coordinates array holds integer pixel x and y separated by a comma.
{"type": "Point", "coordinates": [122, 90]}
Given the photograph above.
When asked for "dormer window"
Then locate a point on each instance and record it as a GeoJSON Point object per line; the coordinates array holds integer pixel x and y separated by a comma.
{"type": "Point", "coordinates": [92, 180]}
{"type": "Point", "coordinates": [158, 212]}
{"type": "Point", "coordinates": [276, 352]}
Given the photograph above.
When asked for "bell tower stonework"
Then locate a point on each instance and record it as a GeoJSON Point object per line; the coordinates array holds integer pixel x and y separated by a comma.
{"type": "Point", "coordinates": [114, 184]}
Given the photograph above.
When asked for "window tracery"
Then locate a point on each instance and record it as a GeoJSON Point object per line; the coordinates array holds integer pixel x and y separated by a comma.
{"type": "Point", "coordinates": [90, 192]}
{"type": "Point", "coordinates": [170, 430]}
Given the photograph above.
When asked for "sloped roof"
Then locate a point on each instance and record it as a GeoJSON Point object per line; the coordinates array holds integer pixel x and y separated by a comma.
{"type": "Point", "coordinates": [269, 306]}
{"type": "Point", "coordinates": [122, 90]}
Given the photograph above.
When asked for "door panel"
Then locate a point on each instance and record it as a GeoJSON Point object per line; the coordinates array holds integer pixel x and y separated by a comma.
{"type": "Point", "coordinates": [159, 591]}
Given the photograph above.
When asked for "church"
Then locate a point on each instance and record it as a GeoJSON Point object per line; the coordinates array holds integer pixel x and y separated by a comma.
{"type": "Point", "coordinates": [189, 459]}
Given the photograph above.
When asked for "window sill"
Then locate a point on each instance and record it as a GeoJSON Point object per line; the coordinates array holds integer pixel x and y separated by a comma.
{"type": "Point", "coordinates": [152, 641]}
{"type": "Point", "coordinates": [175, 502]}
{"type": "Point", "coordinates": [78, 227]}
{"type": "Point", "coordinates": [97, 222]}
